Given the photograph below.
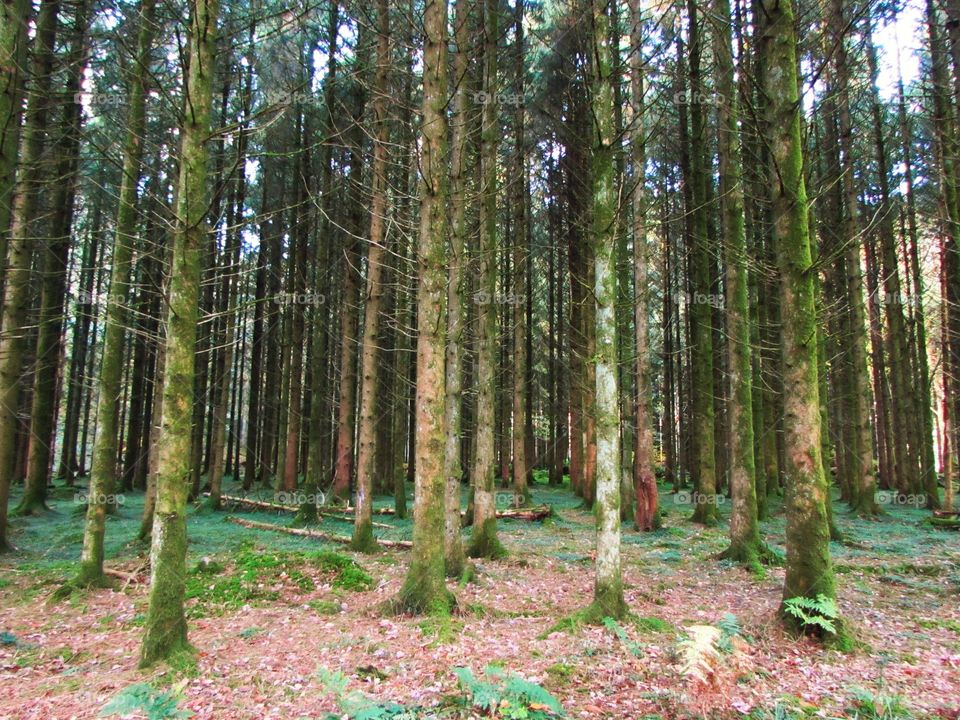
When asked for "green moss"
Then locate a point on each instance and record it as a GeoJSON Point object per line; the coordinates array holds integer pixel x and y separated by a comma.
{"type": "Point", "coordinates": [484, 542]}
{"type": "Point", "coordinates": [350, 576]}
{"type": "Point", "coordinates": [325, 607]}
{"type": "Point", "coordinates": [559, 675]}
{"type": "Point", "coordinates": [363, 540]}
{"type": "Point", "coordinates": [652, 624]}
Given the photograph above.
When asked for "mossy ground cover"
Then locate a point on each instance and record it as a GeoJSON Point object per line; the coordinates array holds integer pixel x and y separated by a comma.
{"type": "Point", "coordinates": [269, 611]}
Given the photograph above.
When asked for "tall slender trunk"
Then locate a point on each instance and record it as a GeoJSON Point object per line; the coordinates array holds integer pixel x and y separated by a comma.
{"type": "Point", "coordinates": [456, 314]}
{"type": "Point", "coordinates": [699, 304]}
{"type": "Point", "coordinates": [809, 571]}
{"type": "Point", "coordinates": [646, 513]}
{"type": "Point", "coordinates": [14, 336]}
{"type": "Point", "coordinates": [166, 625]}
{"type": "Point", "coordinates": [483, 541]}
{"type": "Point", "coordinates": [370, 400]}
{"type": "Point", "coordinates": [424, 589]}
{"type": "Point", "coordinates": [517, 297]}
{"type": "Point", "coordinates": [745, 543]}
{"type": "Point", "coordinates": [608, 598]}
{"type": "Point", "coordinates": [13, 55]}
{"type": "Point", "coordinates": [53, 264]}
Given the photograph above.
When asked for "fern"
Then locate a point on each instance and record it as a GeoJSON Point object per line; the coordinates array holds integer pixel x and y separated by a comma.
{"type": "Point", "coordinates": [531, 694]}
{"type": "Point", "coordinates": [356, 705]}
{"type": "Point", "coordinates": [729, 629]}
{"type": "Point", "coordinates": [142, 698]}
{"type": "Point", "coordinates": [818, 612]}
{"type": "Point", "coordinates": [613, 626]}
{"type": "Point", "coordinates": [507, 695]}
{"type": "Point", "coordinates": [482, 694]}
{"type": "Point", "coordinates": [700, 654]}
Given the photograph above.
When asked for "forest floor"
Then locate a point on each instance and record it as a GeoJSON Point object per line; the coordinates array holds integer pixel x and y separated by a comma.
{"type": "Point", "coordinates": [275, 617]}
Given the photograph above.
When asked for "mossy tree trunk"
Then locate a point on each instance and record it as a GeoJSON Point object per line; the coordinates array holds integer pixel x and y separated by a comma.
{"type": "Point", "coordinates": [646, 514]}
{"type": "Point", "coordinates": [103, 474]}
{"type": "Point", "coordinates": [370, 400]}
{"type": "Point", "coordinates": [23, 244]}
{"type": "Point", "coordinates": [424, 590]}
{"type": "Point", "coordinates": [608, 586]}
{"type": "Point", "coordinates": [699, 306]}
{"type": "Point", "coordinates": [14, 19]}
{"type": "Point", "coordinates": [483, 540]}
{"type": "Point", "coordinates": [518, 290]}
{"type": "Point", "coordinates": [744, 528]}
{"type": "Point", "coordinates": [166, 625]}
{"type": "Point", "coordinates": [456, 315]}
{"type": "Point", "coordinates": [53, 283]}
{"type": "Point", "coordinates": [809, 571]}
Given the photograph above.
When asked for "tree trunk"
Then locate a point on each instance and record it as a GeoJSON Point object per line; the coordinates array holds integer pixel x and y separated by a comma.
{"type": "Point", "coordinates": [745, 546]}
{"type": "Point", "coordinates": [370, 401]}
{"type": "Point", "coordinates": [166, 625]}
{"type": "Point", "coordinates": [809, 571]}
{"type": "Point", "coordinates": [424, 589]}
{"type": "Point", "coordinates": [608, 586]}
{"type": "Point", "coordinates": [453, 417]}
{"type": "Point", "coordinates": [53, 266]}
{"type": "Point", "coordinates": [646, 512]}
{"type": "Point", "coordinates": [16, 296]}
{"type": "Point", "coordinates": [483, 540]}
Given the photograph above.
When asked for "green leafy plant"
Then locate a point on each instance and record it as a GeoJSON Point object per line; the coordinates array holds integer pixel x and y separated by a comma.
{"type": "Point", "coordinates": [506, 695]}
{"type": "Point", "coordinates": [355, 705]}
{"type": "Point", "coordinates": [878, 706]}
{"type": "Point", "coordinates": [614, 627]}
{"type": "Point", "coordinates": [820, 612]}
{"type": "Point", "coordinates": [143, 698]}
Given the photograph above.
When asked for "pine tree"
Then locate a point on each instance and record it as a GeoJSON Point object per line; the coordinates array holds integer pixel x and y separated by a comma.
{"type": "Point", "coordinates": [809, 570]}
{"type": "Point", "coordinates": [424, 589]}
{"type": "Point", "coordinates": [166, 625]}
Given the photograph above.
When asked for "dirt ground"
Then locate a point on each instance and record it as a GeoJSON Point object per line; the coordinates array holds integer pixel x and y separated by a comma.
{"type": "Point", "coordinates": [264, 651]}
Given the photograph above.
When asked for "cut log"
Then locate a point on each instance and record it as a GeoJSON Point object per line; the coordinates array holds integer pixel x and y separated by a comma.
{"type": "Point", "coordinates": [538, 512]}
{"type": "Point", "coordinates": [946, 523]}
{"type": "Point", "coordinates": [306, 532]}
{"type": "Point", "coordinates": [532, 513]}
{"type": "Point", "coordinates": [279, 507]}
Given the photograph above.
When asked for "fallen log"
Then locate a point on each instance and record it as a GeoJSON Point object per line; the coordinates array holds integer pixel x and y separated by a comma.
{"type": "Point", "coordinates": [306, 532]}
{"type": "Point", "coordinates": [946, 523]}
{"type": "Point", "coordinates": [121, 575]}
{"type": "Point", "coordinates": [256, 504]}
{"type": "Point", "coordinates": [532, 513]}
{"type": "Point", "coordinates": [538, 512]}
{"type": "Point", "coordinates": [279, 507]}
